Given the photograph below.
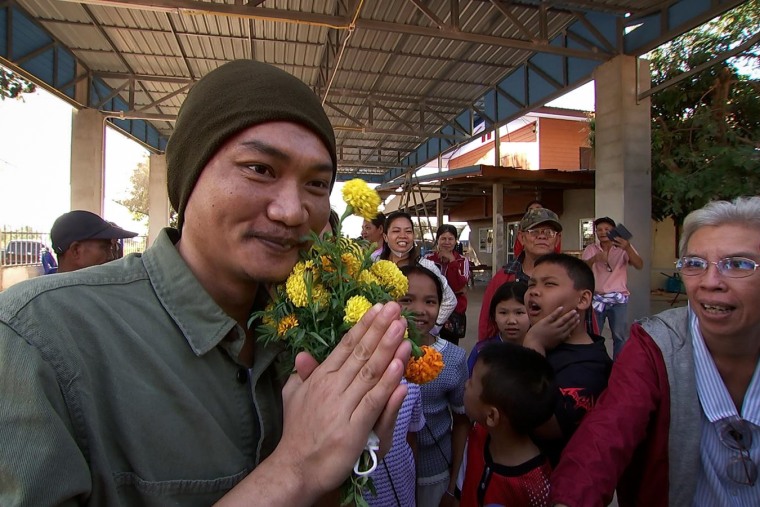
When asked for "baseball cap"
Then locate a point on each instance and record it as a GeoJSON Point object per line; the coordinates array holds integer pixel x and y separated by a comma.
{"type": "Point", "coordinates": [79, 225]}
{"type": "Point", "coordinates": [539, 216]}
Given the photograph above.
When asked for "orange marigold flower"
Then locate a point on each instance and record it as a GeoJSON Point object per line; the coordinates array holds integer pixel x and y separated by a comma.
{"type": "Point", "coordinates": [287, 322]}
{"type": "Point", "coordinates": [421, 370]}
{"type": "Point", "coordinates": [327, 264]}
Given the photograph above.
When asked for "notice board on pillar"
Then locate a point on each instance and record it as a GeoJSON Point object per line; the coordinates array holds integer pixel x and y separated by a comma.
{"type": "Point", "coordinates": [485, 240]}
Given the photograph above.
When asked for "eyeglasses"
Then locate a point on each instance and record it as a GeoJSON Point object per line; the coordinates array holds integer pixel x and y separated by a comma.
{"type": "Point", "coordinates": [735, 434]}
{"type": "Point", "coordinates": [731, 267]}
{"type": "Point", "coordinates": [549, 233]}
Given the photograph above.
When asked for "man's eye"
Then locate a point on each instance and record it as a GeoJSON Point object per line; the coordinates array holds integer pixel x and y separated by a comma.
{"type": "Point", "coordinates": [320, 184]}
{"type": "Point", "coordinates": [259, 169]}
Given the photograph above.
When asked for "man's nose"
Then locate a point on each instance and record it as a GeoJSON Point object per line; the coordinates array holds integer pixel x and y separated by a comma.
{"type": "Point", "coordinates": [287, 206]}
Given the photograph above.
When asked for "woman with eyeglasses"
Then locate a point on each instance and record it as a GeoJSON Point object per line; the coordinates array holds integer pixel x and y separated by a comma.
{"type": "Point", "coordinates": [679, 424]}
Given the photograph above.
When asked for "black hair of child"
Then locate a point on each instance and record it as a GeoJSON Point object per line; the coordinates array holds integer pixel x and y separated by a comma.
{"type": "Point", "coordinates": [576, 269]}
{"type": "Point", "coordinates": [520, 383]}
{"type": "Point", "coordinates": [505, 292]}
{"type": "Point", "coordinates": [421, 270]}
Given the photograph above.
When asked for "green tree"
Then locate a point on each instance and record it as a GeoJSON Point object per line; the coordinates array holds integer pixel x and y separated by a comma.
{"type": "Point", "coordinates": [706, 128]}
{"type": "Point", "coordinates": [12, 85]}
{"type": "Point", "coordinates": [137, 202]}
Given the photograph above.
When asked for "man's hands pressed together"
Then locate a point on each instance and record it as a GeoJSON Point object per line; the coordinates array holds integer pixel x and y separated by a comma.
{"type": "Point", "coordinates": [330, 409]}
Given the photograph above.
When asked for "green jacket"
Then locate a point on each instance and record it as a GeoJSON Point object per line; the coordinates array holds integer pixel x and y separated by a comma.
{"type": "Point", "coordinates": [119, 386]}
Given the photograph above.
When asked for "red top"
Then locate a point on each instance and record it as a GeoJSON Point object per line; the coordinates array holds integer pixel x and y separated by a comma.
{"type": "Point", "coordinates": [623, 442]}
{"type": "Point", "coordinates": [488, 483]}
{"type": "Point", "coordinates": [457, 273]}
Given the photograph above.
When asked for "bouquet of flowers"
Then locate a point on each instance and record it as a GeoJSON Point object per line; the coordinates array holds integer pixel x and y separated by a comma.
{"type": "Point", "coordinates": [329, 290]}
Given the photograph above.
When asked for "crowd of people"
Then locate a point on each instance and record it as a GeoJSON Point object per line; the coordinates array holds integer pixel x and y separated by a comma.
{"type": "Point", "coordinates": [139, 381]}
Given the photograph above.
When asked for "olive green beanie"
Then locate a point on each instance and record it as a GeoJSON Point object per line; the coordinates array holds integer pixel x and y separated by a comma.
{"type": "Point", "coordinates": [234, 97]}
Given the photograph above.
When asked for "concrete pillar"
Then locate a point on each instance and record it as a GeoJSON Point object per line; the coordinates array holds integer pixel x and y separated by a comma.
{"type": "Point", "coordinates": [499, 250]}
{"type": "Point", "coordinates": [158, 197]}
{"type": "Point", "coordinates": [87, 161]}
{"type": "Point", "coordinates": [623, 163]}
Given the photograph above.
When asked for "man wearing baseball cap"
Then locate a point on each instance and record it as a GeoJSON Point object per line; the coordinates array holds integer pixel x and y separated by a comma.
{"type": "Point", "coordinates": [82, 239]}
{"type": "Point", "coordinates": [141, 382]}
{"type": "Point", "coordinates": [539, 232]}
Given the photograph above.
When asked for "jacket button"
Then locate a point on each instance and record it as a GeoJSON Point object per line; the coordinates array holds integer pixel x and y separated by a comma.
{"type": "Point", "coordinates": [241, 376]}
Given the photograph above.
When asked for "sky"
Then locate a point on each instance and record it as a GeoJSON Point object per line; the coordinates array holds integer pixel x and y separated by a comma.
{"type": "Point", "coordinates": [35, 152]}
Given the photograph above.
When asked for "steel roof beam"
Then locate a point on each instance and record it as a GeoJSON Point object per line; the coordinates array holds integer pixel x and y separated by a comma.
{"type": "Point", "coordinates": [342, 22]}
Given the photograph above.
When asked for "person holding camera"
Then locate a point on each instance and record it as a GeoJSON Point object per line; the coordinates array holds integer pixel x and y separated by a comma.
{"type": "Point", "coordinates": [609, 258]}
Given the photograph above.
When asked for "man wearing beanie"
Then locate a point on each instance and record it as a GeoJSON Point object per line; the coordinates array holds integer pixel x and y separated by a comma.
{"type": "Point", "coordinates": [138, 382]}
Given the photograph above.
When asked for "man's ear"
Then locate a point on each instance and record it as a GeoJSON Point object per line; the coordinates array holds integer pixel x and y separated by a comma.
{"type": "Point", "coordinates": [75, 250]}
{"type": "Point", "coordinates": [521, 236]}
{"type": "Point", "coordinates": [584, 302]}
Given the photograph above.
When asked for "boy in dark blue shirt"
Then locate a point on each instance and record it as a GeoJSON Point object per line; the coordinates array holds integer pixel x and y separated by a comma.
{"type": "Point", "coordinates": [559, 295]}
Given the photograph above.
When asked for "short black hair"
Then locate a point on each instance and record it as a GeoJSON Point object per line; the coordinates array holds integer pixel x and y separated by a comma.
{"type": "Point", "coordinates": [604, 220]}
{"type": "Point", "coordinates": [519, 382]}
{"type": "Point", "coordinates": [531, 203]}
{"type": "Point", "coordinates": [379, 220]}
{"type": "Point", "coordinates": [422, 270]}
{"type": "Point", "coordinates": [334, 221]}
{"type": "Point", "coordinates": [505, 292]}
{"type": "Point", "coordinates": [446, 228]}
{"type": "Point", "coordinates": [576, 269]}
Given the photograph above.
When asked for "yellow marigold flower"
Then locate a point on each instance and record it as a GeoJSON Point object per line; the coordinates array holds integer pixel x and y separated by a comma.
{"type": "Point", "coordinates": [356, 307]}
{"type": "Point", "coordinates": [421, 370]}
{"type": "Point", "coordinates": [320, 295]}
{"type": "Point", "coordinates": [351, 263]}
{"type": "Point", "coordinates": [363, 199]}
{"type": "Point", "coordinates": [287, 322]}
{"type": "Point", "coordinates": [267, 319]}
{"type": "Point", "coordinates": [366, 277]}
{"type": "Point", "coordinates": [352, 246]}
{"type": "Point", "coordinates": [295, 287]}
{"type": "Point", "coordinates": [391, 278]}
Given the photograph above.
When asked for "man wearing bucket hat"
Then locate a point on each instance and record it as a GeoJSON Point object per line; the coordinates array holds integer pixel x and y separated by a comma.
{"type": "Point", "coordinates": [539, 232]}
{"type": "Point", "coordinates": [139, 382]}
{"type": "Point", "coordinates": [82, 239]}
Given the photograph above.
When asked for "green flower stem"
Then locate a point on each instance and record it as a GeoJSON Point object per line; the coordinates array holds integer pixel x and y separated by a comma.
{"type": "Point", "coordinates": [416, 350]}
{"type": "Point", "coordinates": [349, 211]}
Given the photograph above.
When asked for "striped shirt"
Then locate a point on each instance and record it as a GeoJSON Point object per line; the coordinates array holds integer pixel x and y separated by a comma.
{"type": "Point", "coordinates": [440, 398]}
{"type": "Point", "coordinates": [395, 476]}
{"type": "Point", "coordinates": [714, 487]}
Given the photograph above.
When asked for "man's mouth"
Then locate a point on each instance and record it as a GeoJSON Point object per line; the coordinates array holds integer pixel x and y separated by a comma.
{"type": "Point", "coordinates": [281, 243]}
{"type": "Point", "coordinates": [533, 308]}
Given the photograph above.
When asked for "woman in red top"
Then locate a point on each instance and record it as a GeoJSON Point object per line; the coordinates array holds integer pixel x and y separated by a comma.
{"type": "Point", "coordinates": [456, 269]}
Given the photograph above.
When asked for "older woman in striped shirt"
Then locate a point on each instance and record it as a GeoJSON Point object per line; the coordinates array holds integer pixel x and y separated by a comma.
{"type": "Point", "coordinates": [679, 424]}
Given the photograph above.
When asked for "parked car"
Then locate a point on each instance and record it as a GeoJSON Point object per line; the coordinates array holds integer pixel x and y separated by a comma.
{"type": "Point", "coordinates": [22, 251]}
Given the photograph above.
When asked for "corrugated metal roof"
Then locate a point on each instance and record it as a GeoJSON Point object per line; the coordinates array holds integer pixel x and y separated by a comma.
{"type": "Point", "coordinates": [408, 67]}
